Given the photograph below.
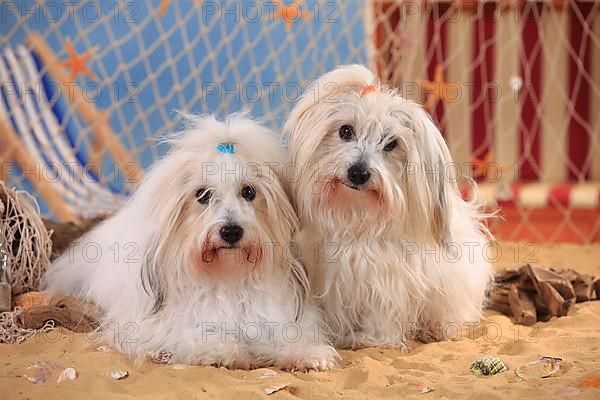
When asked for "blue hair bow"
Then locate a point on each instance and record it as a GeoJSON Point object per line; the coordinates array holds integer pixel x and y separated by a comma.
{"type": "Point", "coordinates": [226, 148]}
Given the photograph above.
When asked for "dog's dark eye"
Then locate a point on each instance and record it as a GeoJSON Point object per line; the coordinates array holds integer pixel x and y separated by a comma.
{"type": "Point", "coordinates": [391, 145]}
{"type": "Point", "coordinates": [248, 193]}
{"type": "Point", "coordinates": [346, 133]}
{"type": "Point", "coordinates": [203, 195]}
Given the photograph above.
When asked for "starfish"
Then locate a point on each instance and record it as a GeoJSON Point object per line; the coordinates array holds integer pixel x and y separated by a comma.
{"type": "Point", "coordinates": [76, 62]}
{"type": "Point", "coordinates": [284, 12]}
{"type": "Point", "coordinates": [437, 89]}
{"type": "Point", "coordinates": [162, 9]}
{"type": "Point", "coordinates": [481, 165]}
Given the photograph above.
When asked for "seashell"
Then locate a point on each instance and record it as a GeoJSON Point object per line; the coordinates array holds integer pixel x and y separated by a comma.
{"type": "Point", "coordinates": [423, 387]}
{"type": "Point", "coordinates": [179, 366]}
{"type": "Point", "coordinates": [267, 374]}
{"type": "Point", "coordinates": [42, 371]}
{"type": "Point", "coordinates": [41, 375]}
{"type": "Point", "coordinates": [104, 349]}
{"type": "Point", "coordinates": [162, 357]}
{"type": "Point", "coordinates": [488, 365]}
{"type": "Point", "coordinates": [275, 389]}
{"type": "Point", "coordinates": [542, 368]}
{"type": "Point", "coordinates": [118, 374]}
{"type": "Point", "coordinates": [68, 373]}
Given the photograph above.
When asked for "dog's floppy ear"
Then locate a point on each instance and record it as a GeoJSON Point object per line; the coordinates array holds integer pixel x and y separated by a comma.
{"type": "Point", "coordinates": [165, 215]}
{"type": "Point", "coordinates": [434, 170]}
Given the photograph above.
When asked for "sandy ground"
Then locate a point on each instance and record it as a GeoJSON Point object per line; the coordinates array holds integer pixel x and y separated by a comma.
{"type": "Point", "coordinates": [369, 373]}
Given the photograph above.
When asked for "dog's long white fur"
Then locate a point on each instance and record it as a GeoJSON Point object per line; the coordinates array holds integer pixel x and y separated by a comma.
{"type": "Point", "coordinates": [143, 267]}
{"type": "Point", "coordinates": [403, 256]}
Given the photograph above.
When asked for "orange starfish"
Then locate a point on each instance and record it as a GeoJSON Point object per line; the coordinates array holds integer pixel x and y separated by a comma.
{"type": "Point", "coordinates": [285, 12]}
{"type": "Point", "coordinates": [76, 62]}
{"type": "Point", "coordinates": [437, 89]}
{"type": "Point", "coordinates": [481, 165]}
{"type": "Point", "coordinates": [162, 9]}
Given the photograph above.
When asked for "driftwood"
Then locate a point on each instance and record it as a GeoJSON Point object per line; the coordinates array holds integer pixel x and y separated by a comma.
{"type": "Point", "coordinates": [498, 300]}
{"type": "Point", "coordinates": [65, 311]}
{"type": "Point", "coordinates": [36, 309]}
{"type": "Point", "coordinates": [522, 306]}
{"type": "Point", "coordinates": [583, 284]}
{"type": "Point", "coordinates": [554, 295]}
{"type": "Point", "coordinates": [530, 294]}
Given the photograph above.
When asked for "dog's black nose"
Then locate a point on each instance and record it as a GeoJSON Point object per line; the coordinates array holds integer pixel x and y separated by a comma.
{"type": "Point", "coordinates": [358, 174]}
{"type": "Point", "coordinates": [231, 233]}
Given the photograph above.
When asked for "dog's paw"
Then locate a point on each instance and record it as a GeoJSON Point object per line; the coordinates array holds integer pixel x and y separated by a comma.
{"type": "Point", "coordinates": [305, 358]}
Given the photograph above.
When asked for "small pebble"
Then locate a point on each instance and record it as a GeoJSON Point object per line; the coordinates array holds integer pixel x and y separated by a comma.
{"type": "Point", "coordinates": [118, 374]}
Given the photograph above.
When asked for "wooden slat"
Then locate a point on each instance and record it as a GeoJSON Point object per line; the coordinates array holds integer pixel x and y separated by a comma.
{"type": "Point", "coordinates": [458, 112]}
{"type": "Point", "coordinates": [595, 99]}
{"type": "Point", "coordinates": [46, 189]}
{"type": "Point", "coordinates": [506, 113]}
{"type": "Point", "coordinates": [554, 96]}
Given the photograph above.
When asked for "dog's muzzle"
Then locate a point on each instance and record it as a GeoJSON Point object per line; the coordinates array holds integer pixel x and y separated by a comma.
{"type": "Point", "coordinates": [231, 233]}
{"type": "Point", "coordinates": [358, 174]}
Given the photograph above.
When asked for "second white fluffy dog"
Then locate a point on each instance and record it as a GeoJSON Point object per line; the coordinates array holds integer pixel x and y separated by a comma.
{"type": "Point", "coordinates": [391, 248]}
{"type": "Point", "coordinates": [196, 263]}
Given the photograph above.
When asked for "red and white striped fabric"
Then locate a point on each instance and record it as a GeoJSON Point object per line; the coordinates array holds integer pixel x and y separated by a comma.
{"type": "Point", "coordinates": [524, 88]}
{"type": "Point", "coordinates": [518, 87]}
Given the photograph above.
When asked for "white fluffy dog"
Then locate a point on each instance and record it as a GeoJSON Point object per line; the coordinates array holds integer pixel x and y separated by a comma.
{"type": "Point", "coordinates": [197, 263]}
{"type": "Point", "coordinates": [391, 249]}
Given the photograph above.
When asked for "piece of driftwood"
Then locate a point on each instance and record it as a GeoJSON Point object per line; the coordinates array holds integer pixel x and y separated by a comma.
{"type": "Point", "coordinates": [498, 300]}
{"type": "Point", "coordinates": [582, 283]}
{"type": "Point", "coordinates": [65, 233]}
{"type": "Point", "coordinates": [507, 275]}
{"type": "Point", "coordinates": [554, 294]}
{"type": "Point", "coordinates": [531, 294]}
{"type": "Point", "coordinates": [522, 306]}
{"type": "Point", "coordinates": [65, 311]}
